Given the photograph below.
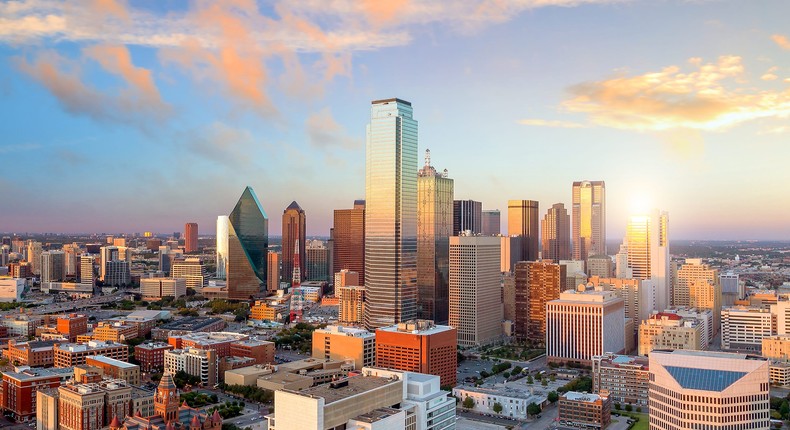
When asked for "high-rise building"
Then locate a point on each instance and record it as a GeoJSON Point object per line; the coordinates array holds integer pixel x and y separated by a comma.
{"type": "Point", "coordinates": [345, 277]}
{"type": "Point", "coordinates": [556, 234]}
{"type": "Point", "coordinates": [523, 220]}
{"type": "Point", "coordinates": [348, 248]}
{"type": "Point", "coordinates": [248, 242]}
{"type": "Point", "coordinates": [589, 219]}
{"type": "Point", "coordinates": [52, 266]}
{"type": "Point", "coordinates": [317, 261]}
{"type": "Point", "coordinates": [273, 271]}
{"type": "Point", "coordinates": [434, 227]}
{"type": "Point", "coordinates": [600, 265]}
{"type": "Point", "coordinates": [467, 215]}
{"type": "Point", "coordinates": [223, 225]}
{"type": "Point", "coordinates": [584, 323]}
{"type": "Point", "coordinates": [510, 253]}
{"type": "Point", "coordinates": [192, 271]}
{"type": "Point", "coordinates": [294, 228]}
{"type": "Point", "coordinates": [693, 270]}
{"type": "Point", "coordinates": [475, 294]}
{"type": "Point", "coordinates": [743, 328]}
{"type": "Point", "coordinates": [190, 237]}
{"type": "Point", "coordinates": [647, 247]}
{"type": "Point", "coordinates": [33, 256]}
{"type": "Point", "coordinates": [491, 222]}
{"type": "Point", "coordinates": [537, 283]}
{"type": "Point", "coordinates": [419, 346]}
{"type": "Point", "coordinates": [708, 390]}
{"type": "Point", "coordinates": [391, 214]}
{"type": "Point", "coordinates": [351, 310]}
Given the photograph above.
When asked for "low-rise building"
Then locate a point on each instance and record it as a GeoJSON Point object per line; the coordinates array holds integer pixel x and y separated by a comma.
{"type": "Point", "coordinates": [73, 354]}
{"type": "Point", "coordinates": [11, 289]}
{"type": "Point", "coordinates": [268, 310]}
{"type": "Point", "coordinates": [156, 288]}
{"type": "Point", "coordinates": [151, 355]}
{"type": "Point", "coordinates": [776, 347]}
{"type": "Point", "coordinates": [114, 332]}
{"type": "Point", "coordinates": [217, 341]}
{"type": "Point", "coordinates": [187, 325]}
{"type": "Point", "coordinates": [780, 373]}
{"type": "Point", "coordinates": [21, 324]}
{"type": "Point", "coordinates": [671, 331]}
{"type": "Point", "coordinates": [116, 369]}
{"type": "Point", "coordinates": [300, 374]}
{"type": "Point", "coordinates": [584, 410]}
{"type": "Point", "coordinates": [625, 378]}
{"type": "Point", "coordinates": [345, 343]}
{"type": "Point", "coordinates": [20, 386]}
{"type": "Point", "coordinates": [513, 399]}
{"type": "Point", "coordinates": [745, 327]}
{"type": "Point", "coordinates": [419, 346]}
{"type": "Point", "coordinates": [35, 353]}
{"type": "Point", "coordinates": [261, 351]}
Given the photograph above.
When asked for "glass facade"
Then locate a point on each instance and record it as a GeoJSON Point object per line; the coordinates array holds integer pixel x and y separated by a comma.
{"type": "Point", "coordinates": [523, 220]}
{"type": "Point", "coordinates": [248, 242]}
{"type": "Point", "coordinates": [589, 219]}
{"type": "Point", "coordinates": [391, 214]}
{"type": "Point", "coordinates": [294, 228]}
{"type": "Point", "coordinates": [223, 224]}
{"type": "Point", "coordinates": [556, 234]}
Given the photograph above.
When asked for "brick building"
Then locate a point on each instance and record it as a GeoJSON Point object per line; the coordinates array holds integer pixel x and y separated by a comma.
{"type": "Point", "coordinates": [419, 346]}
{"type": "Point", "coordinates": [151, 355]}
{"type": "Point", "coordinates": [72, 354]}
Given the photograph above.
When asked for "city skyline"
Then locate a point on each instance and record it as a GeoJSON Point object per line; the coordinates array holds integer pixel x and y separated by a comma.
{"type": "Point", "coordinates": [150, 110]}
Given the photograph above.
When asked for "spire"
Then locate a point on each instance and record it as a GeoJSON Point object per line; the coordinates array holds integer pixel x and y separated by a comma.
{"type": "Point", "coordinates": [295, 206]}
{"type": "Point", "coordinates": [195, 422]}
{"type": "Point", "coordinates": [115, 422]}
{"type": "Point", "coordinates": [216, 418]}
{"type": "Point", "coordinates": [167, 382]}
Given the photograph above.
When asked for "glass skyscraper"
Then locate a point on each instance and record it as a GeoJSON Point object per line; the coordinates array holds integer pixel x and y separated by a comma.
{"type": "Point", "coordinates": [589, 219]}
{"type": "Point", "coordinates": [223, 224]}
{"type": "Point", "coordinates": [391, 214]}
{"type": "Point", "coordinates": [248, 242]}
{"type": "Point", "coordinates": [523, 221]}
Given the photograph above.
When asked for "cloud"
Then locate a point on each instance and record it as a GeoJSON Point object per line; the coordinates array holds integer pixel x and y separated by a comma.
{"type": "Point", "coordinates": [221, 143]}
{"type": "Point", "coordinates": [770, 75]}
{"type": "Point", "coordinates": [324, 132]}
{"type": "Point", "coordinates": [550, 123]}
{"type": "Point", "coordinates": [7, 149]}
{"type": "Point", "coordinates": [713, 96]}
{"type": "Point", "coordinates": [782, 41]}
{"type": "Point", "coordinates": [117, 60]}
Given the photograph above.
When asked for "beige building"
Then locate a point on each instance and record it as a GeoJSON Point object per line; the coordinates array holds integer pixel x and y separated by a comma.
{"type": "Point", "coordinates": [706, 295]}
{"type": "Point", "coordinates": [116, 369]}
{"type": "Point", "coordinates": [537, 282]}
{"type": "Point", "coordinates": [708, 390]}
{"type": "Point", "coordinates": [584, 323]}
{"type": "Point", "coordinates": [600, 265]}
{"type": "Point", "coordinates": [115, 332]}
{"type": "Point", "coordinates": [776, 347]}
{"type": "Point", "coordinates": [745, 327]}
{"type": "Point", "coordinates": [193, 271]}
{"type": "Point", "coordinates": [508, 296]}
{"type": "Point", "coordinates": [345, 343]}
{"type": "Point", "coordinates": [781, 311]}
{"type": "Point", "coordinates": [665, 330]}
{"type": "Point", "coordinates": [639, 296]}
{"type": "Point", "coordinates": [693, 270]}
{"type": "Point", "coordinates": [351, 310]}
{"type": "Point", "coordinates": [475, 294]}
{"type": "Point", "coordinates": [202, 363]}
{"type": "Point", "coordinates": [156, 288]}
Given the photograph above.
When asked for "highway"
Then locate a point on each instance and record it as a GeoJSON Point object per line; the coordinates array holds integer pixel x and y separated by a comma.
{"type": "Point", "coordinates": [70, 305]}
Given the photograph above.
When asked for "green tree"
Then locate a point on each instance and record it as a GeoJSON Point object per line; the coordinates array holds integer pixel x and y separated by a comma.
{"type": "Point", "coordinates": [517, 370]}
{"type": "Point", "coordinates": [469, 403]}
{"type": "Point", "coordinates": [544, 382]}
{"type": "Point", "coordinates": [506, 375]}
{"type": "Point", "coordinates": [530, 380]}
{"type": "Point", "coordinates": [617, 406]}
{"type": "Point", "coordinates": [533, 409]}
{"type": "Point", "coordinates": [629, 408]}
{"type": "Point", "coordinates": [553, 396]}
{"type": "Point", "coordinates": [497, 407]}
{"type": "Point", "coordinates": [784, 409]}
{"type": "Point", "coordinates": [639, 409]}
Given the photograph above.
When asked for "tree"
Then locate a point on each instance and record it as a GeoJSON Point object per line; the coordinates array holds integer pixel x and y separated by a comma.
{"type": "Point", "coordinates": [544, 382]}
{"type": "Point", "coordinates": [629, 408]}
{"type": "Point", "coordinates": [553, 396]}
{"type": "Point", "coordinates": [469, 403]}
{"type": "Point", "coordinates": [784, 409]}
{"type": "Point", "coordinates": [617, 406]}
{"type": "Point", "coordinates": [530, 380]}
{"type": "Point", "coordinates": [533, 409]}
{"type": "Point", "coordinates": [497, 407]}
{"type": "Point", "coordinates": [639, 409]}
{"type": "Point", "coordinates": [517, 370]}
{"type": "Point", "coordinates": [506, 375]}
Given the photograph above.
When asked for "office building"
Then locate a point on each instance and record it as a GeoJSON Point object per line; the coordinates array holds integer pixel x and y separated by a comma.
{"type": "Point", "coordinates": [777, 347]}
{"type": "Point", "coordinates": [556, 234]}
{"type": "Point", "coordinates": [53, 266]}
{"type": "Point", "coordinates": [294, 228]}
{"type": "Point", "coordinates": [639, 297]}
{"type": "Point", "coordinates": [273, 272]}
{"type": "Point", "coordinates": [491, 223]}
{"type": "Point", "coordinates": [589, 219]}
{"type": "Point", "coordinates": [348, 240]}
{"type": "Point", "coordinates": [625, 378]}
{"type": "Point", "coordinates": [537, 283]}
{"type": "Point", "coordinates": [112, 271]}
{"type": "Point", "coordinates": [21, 270]}
{"type": "Point", "coordinates": [261, 351]}
{"type": "Point", "coordinates": [190, 237]}
{"type": "Point", "coordinates": [475, 293]}
{"type": "Point", "coordinates": [201, 363]}
{"type": "Point", "coordinates": [114, 332]}
{"type": "Point", "coordinates": [514, 399]}
{"type": "Point", "coordinates": [192, 271]}
{"type": "Point", "coordinates": [11, 289]}
{"type": "Point", "coordinates": [523, 221]}
{"type": "Point", "coordinates": [600, 265]}
{"type": "Point", "coordinates": [584, 323]}
{"type": "Point", "coordinates": [87, 276]}
{"type": "Point", "coordinates": [351, 310]}
{"type": "Point", "coordinates": [647, 253]}
{"type": "Point", "coordinates": [666, 330]}
{"type": "Point", "coordinates": [156, 288]}
{"type": "Point", "coordinates": [510, 253]}
{"type": "Point", "coordinates": [33, 256]}
{"type": "Point", "coordinates": [21, 324]}
{"type": "Point", "coordinates": [269, 310]}
{"type": "Point", "coordinates": [743, 328]}
{"type": "Point", "coordinates": [467, 215]}
{"type": "Point", "coordinates": [74, 354]}
{"type": "Point", "coordinates": [345, 343]}
{"type": "Point", "coordinates": [508, 297]}
{"type": "Point", "coordinates": [19, 390]}
{"type": "Point", "coordinates": [434, 228]}
{"type": "Point", "coordinates": [346, 278]}
{"type": "Point", "coordinates": [91, 405]}
{"type": "Point", "coordinates": [585, 410]}
{"type": "Point", "coordinates": [217, 341]}
{"type": "Point", "coordinates": [223, 232]}
{"type": "Point", "coordinates": [419, 346]}
{"type": "Point", "coordinates": [391, 214]}
{"type": "Point", "coordinates": [317, 261]}
{"type": "Point", "coordinates": [34, 353]}
{"type": "Point", "coordinates": [693, 270]}
{"type": "Point", "coordinates": [248, 242]}
{"type": "Point", "coordinates": [116, 369]}
{"type": "Point", "coordinates": [151, 355]}
{"type": "Point", "coordinates": [706, 295]}
{"type": "Point", "coordinates": [708, 390]}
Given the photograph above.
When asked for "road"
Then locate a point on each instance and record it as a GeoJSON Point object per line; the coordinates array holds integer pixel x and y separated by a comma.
{"type": "Point", "coordinates": [70, 305]}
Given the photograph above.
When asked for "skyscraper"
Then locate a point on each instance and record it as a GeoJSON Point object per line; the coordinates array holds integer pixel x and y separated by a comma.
{"type": "Point", "coordinates": [317, 261]}
{"type": "Point", "coordinates": [223, 227]}
{"type": "Point", "coordinates": [536, 283]}
{"type": "Point", "coordinates": [294, 228]}
{"type": "Point", "coordinates": [248, 242]}
{"type": "Point", "coordinates": [647, 252]}
{"type": "Point", "coordinates": [467, 215]}
{"type": "Point", "coordinates": [556, 234]}
{"type": "Point", "coordinates": [52, 266]}
{"type": "Point", "coordinates": [491, 222]}
{"type": "Point", "coordinates": [273, 272]}
{"type": "Point", "coordinates": [589, 219]}
{"type": "Point", "coordinates": [434, 226]}
{"type": "Point", "coordinates": [190, 237]}
{"type": "Point", "coordinates": [33, 256]}
{"type": "Point", "coordinates": [522, 221]}
{"type": "Point", "coordinates": [391, 214]}
{"type": "Point", "coordinates": [348, 251]}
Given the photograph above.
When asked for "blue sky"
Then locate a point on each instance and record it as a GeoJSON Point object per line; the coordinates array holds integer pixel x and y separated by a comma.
{"type": "Point", "coordinates": [146, 115]}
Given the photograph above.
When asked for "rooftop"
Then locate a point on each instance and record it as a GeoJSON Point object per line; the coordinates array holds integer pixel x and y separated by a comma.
{"type": "Point", "coordinates": [94, 344]}
{"type": "Point", "coordinates": [581, 397]}
{"type": "Point", "coordinates": [113, 362]}
{"type": "Point", "coordinates": [190, 323]}
{"type": "Point", "coordinates": [209, 338]}
{"type": "Point", "coordinates": [38, 372]}
{"type": "Point", "coordinates": [154, 345]}
{"type": "Point", "coordinates": [347, 388]}
{"type": "Point", "coordinates": [377, 415]}
{"type": "Point", "coordinates": [252, 342]}
{"type": "Point", "coordinates": [421, 327]}
{"type": "Point", "coordinates": [348, 331]}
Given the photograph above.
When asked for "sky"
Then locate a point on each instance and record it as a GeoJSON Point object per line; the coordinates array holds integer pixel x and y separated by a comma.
{"type": "Point", "coordinates": [143, 115]}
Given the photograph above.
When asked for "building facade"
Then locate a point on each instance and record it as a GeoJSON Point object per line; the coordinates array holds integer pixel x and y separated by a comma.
{"type": "Point", "coordinates": [294, 227]}
{"type": "Point", "coordinates": [492, 225]}
{"type": "Point", "coordinates": [349, 239]}
{"type": "Point", "coordinates": [523, 220]}
{"type": "Point", "coordinates": [625, 378]}
{"type": "Point", "coordinates": [556, 234]}
{"type": "Point", "coordinates": [419, 346]}
{"type": "Point", "coordinates": [589, 219]}
{"type": "Point", "coordinates": [345, 343]}
{"type": "Point", "coordinates": [467, 215]}
{"type": "Point", "coordinates": [190, 237]}
{"type": "Point", "coordinates": [537, 283]}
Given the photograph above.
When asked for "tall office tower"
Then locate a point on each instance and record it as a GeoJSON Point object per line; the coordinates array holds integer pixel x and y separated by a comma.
{"type": "Point", "coordinates": [647, 248]}
{"type": "Point", "coordinates": [317, 261]}
{"type": "Point", "coordinates": [708, 390]}
{"type": "Point", "coordinates": [491, 223]}
{"type": "Point", "coordinates": [523, 221]}
{"type": "Point", "coordinates": [475, 294]}
{"type": "Point", "coordinates": [584, 323]}
{"type": "Point", "coordinates": [273, 271]}
{"type": "Point", "coordinates": [71, 260]}
{"type": "Point", "coordinates": [223, 227]}
{"type": "Point", "coordinates": [294, 229]}
{"type": "Point", "coordinates": [692, 270]}
{"type": "Point", "coordinates": [537, 283]}
{"type": "Point", "coordinates": [706, 295]}
{"type": "Point", "coordinates": [6, 241]}
{"type": "Point", "coordinates": [190, 237]}
{"type": "Point", "coordinates": [112, 253]}
{"type": "Point", "coordinates": [600, 265]}
{"type": "Point", "coordinates": [52, 266]}
{"type": "Point", "coordinates": [510, 252]}
{"type": "Point", "coordinates": [556, 234]}
{"type": "Point", "coordinates": [248, 242]}
{"type": "Point", "coordinates": [391, 214]}
{"type": "Point", "coordinates": [345, 278]}
{"type": "Point", "coordinates": [467, 215]}
{"type": "Point", "coordinates": [589, 219]}
{"type": "Point", "coordinates": [33, 256]}
{"type": "Point", "coordinates": [348, 248]}
{"type": "Point", "coordinates": [434, 227]}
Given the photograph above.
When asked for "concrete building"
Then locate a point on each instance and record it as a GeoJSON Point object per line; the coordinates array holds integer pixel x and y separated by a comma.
{"type": "Point", "coordinates": [589, 219]}
{"type": "Point", "coordinates": [192, 270]}
{"type": "Point", "coordinates": [707, 296]}
{"type": "Point", "coordinates": [537, 283]}
{"type": "Point", "coordinates": [776, 347]}
{"type": "Point", "coordinates": [21, 324]}
{"type": "Point", "coordinates": [584, 323]}
{"type": "Point", "coordinates": [523, 220]}
{"type": "Point", "coordinates": [419, 346]}
{"type": "Point", "coordinates": [156, 288]}
{"type": "Point", "coordinates": [639, 296]}
{"type": "Point", "coordinates": [600, 265]}
{"type": "Point", "coordinates": [475, 294]}
{"type": "Point", "coordinates": [745, 327]}
{"type": "Point", "coordinates": [625, 378]}
{"type": "Point", "coordinates": [261, 351]}
{"type": "Point", "coordinates": [73, 354]}
{"type": "Point", "coordinates": [115, 331]}
{"type": "Point", "coordinates": [187, 325]}
{"type": "Point", "coordinates": [345, 343]}
{"type": "Point", "coordinates": [116, 369]}
{"type": "Point", "coordinates": [513, 398]}
{"type": "Point", "coordinates": [584, 410]}
{"type": "Point", "coordinates": [671, 331]}
{"type": "Point", "coordinates": [491, 222]}
{"type": "Point", "coordinates": [711, 390]}
{"type": "Point", "coordinates": [201, 363]}
{"type": "Point", "coordinates": [317, 261]}
{"type": "Point", "coordinates": [269, 310]}
{"type": "Point", "coordinates": [781, 311]}
{"type": "Point", "coordinates": [351, 310]}
{"type": "Point", "coordinates": [646, 247]}
{"type": "Point", "coordinates": [510, 253]}
{"type": "Point", "coordinates": [218, 341]}
{"type": "Point", "coordinates": [11, 289]}
{"type": "Point", "coordinates": [693, 271]}
{"type": "Point", "coordinates": [348, 250]}
{"type": "Point", "coordinates": [151, 355]}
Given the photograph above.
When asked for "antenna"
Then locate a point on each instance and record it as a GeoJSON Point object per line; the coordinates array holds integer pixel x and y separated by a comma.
{"type": "Point", "coordinates": [427, 158]}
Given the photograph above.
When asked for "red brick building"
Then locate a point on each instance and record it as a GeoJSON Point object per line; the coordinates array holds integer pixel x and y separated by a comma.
{"type": "Point", "coordinates": [151, 355]}
{"type": "Point", "coordinates": [260, 350]}
{"type": "Point", "coordinates": [72, 325]}
{"type": "Point", "coordinates": [34, 353]}
{"type": "Point", "coordinates": [18, 397]}
{"type": "Point", "coordinates": [419, 346]}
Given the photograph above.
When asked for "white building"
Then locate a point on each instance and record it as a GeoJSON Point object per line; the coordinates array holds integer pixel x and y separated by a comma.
{"type": "Point", "coordinates": [647, 252]}
{"type": "Point", "coordinates": [514, 401]}
{"type": "Point", "coordinates": [744, 327]}
{"type": "Point", "coordinates": [156, 288]}
{"type": "Point", "coordinates": [223, 224]}
{"type": "Point", "coordinates": [11, 289]}
{"type": "Point", "coordinates": [708, 390]}
{"type": "Point", "coordinates": [196, 362]}
{"type": "Point", "coordinates": [475, 294]}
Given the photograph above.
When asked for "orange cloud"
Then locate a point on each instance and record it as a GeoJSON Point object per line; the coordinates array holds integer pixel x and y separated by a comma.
{"type": "Point", "coordinates": [117, 60]}
{"type": "Point", "coordinates": [324, 132]}
{"type": "Point", "coordinates": [782, 41]}
{"type": "Point", "coordinates": [111, 7]}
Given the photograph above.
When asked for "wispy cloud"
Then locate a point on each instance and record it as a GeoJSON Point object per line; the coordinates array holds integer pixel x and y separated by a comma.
{"type": "Point", "coordinates": [324, 132]}
{"type": "Point", "coordinates": [782, 41]}
{"type": "Point", "coordinates": [550, 123]}
{"type": "Point", "coordinates": [7, 149]}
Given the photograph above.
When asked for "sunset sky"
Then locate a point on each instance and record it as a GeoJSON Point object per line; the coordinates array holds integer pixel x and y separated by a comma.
{"type": "Point", "coordinates": [126, 117]}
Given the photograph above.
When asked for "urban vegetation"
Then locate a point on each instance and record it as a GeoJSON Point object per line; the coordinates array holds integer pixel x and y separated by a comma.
{"type": "Point", "coordinates": [253, 393]}
{"type": "Point", "coordinates": [581, 384]}
{"type": "Point", "coordinates": [198, 400]}
{"type": "Point", "coordinates": [228, 409]}
{"type": "Point", "coordinates": [182, 379]}
{"type": "Point", "coordinates": [298, 338]}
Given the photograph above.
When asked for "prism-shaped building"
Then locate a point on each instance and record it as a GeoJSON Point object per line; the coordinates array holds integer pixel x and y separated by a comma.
{"type": "Point", "coordinates": [248, 242]}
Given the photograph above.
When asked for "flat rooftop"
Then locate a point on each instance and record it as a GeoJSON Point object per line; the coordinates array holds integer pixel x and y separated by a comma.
{"type": "Point", "coordinates": [190, 323]}
{"type": "Point", "coordinates": [356, 385]}
{"type": "Point", "coordinates": [581, 397]}
{"type": "Point", "coordinates": [113, 362]}
{"type": "Point", "coordinates": [38, 372]}
{"type": "Point", "coordinates": [258, 369]}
